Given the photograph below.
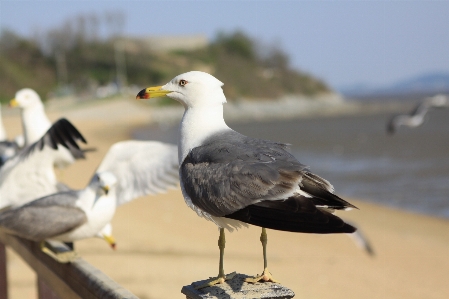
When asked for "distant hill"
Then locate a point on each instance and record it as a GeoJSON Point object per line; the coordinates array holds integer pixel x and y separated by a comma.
{"type": "Point", "coordinates": [425, 84]}
{"type": "Point", "coordinates": [71, 63]}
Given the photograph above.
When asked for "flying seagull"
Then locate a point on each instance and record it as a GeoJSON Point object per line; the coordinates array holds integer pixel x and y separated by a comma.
{"type": "Point", "coordinates": [416, 117]}
{"type": "Point", "coordinates": [66, 216]}
{"type": "Point", "coordinates": [29, 174]}
{"type": "Point", "coordinates": [234, 180]}
{"type": "Point", "coordinates": [35, 123]}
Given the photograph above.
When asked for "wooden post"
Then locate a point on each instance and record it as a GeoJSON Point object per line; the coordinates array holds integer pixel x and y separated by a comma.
{"type": "Point", "coordinates": [44, 291]}
{"type": "Point", "coordinates": [75, 280]}
{"type": "Point", "coordinates": [238, 288]}
{"type": "Point", "coordinates": [3, 275]}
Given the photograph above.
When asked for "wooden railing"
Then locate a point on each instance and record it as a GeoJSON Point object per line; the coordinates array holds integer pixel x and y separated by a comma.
{"type": "Point", "coordinates": [77, 280]}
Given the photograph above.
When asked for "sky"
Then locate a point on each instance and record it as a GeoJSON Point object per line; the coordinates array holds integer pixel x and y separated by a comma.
{"type": "Point", "coordinates": [345, 43]}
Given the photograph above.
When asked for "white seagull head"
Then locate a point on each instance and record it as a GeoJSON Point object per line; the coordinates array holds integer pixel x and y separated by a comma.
{"type": "Point", "coordinates": [26, 98]}
{"type": "Point", "coordinates": [106, 181]}
{"type": "Point", "coordinates": [192, 89]}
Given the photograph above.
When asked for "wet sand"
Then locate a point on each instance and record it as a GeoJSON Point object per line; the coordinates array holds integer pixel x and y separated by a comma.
{"type": "Point", "coordinates": [163, 245]}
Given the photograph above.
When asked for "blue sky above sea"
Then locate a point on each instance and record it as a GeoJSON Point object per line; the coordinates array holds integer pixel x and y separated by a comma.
{"type": "Point", "coordinates": [342, 42]}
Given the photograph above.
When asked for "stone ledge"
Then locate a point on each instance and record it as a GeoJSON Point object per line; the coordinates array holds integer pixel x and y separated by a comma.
{"type": "Point", "coordinates": [237, 288]}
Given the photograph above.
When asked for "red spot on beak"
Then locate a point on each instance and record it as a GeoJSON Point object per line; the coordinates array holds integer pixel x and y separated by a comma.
{"type": "Point", "coordinates": [143, 94]}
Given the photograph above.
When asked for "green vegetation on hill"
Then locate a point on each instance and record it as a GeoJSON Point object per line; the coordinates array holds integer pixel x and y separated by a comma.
{"type": "Point", "coordinates": [22, 64]}
{"type": "Point", "coordinates": [248, 69]}
{"type": "Point", "coordinates": [248, 72]}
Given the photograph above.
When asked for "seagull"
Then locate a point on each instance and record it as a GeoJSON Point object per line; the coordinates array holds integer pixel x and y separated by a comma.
{"type": "Point", "coordinates": [66, 216]}
{"type": "Point", "coordinates": [7, 148]}
{"type": "Point", "coordinates": [34, 120]}
{"type": "Point", "coordinates": [416, 117]}
{"type": "Point", "coordinates": [30, 174]}
{"type": "Point", "coordinates": [134, 168]}
{"type": "Point", "coordinates": [141, 168]}
{"type": "Point", "coordinates": [2, 128]}
{"type": "Point", "coordinates": [234, 180]}
{"type": "Point", "coordinates": [35, 123]}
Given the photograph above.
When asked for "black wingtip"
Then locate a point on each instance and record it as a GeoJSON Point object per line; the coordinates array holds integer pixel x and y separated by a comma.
{"type": "Point", "coordinates": [67, 125]}
{"type": "Point", "coordinates": [310, 220]}
{"type": "Point", "coordinates": [62, 132]}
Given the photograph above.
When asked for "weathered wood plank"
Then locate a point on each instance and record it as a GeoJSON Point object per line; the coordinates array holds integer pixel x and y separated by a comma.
{"type": "Point", "coordinates": [3, 274]}
{"type": "Point", "coordinates": [74, 280]}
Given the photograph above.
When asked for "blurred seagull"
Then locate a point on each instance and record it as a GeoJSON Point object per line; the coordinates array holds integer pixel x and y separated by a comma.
{"type": "Point", "coordinates": [234, 180]}
{"type": "Point", "coordinates": [35, 123]}
{"type": "Point", "coordinates": [2, 128]}
{"type": "Point", "coordinates": [138, 168]}
{"type": "Point", "coordinates": [416, 117]}
{"type": "Point", "coordinates": [66, 216]}
{"type": "Point", "coordinates": [7, 148]}
{"type": "Point", "coordinates": [141, 168]}
{"type": "Point", "coordinates": [34, 120]}
{"type": "Point", "coordinates": [30, 174]}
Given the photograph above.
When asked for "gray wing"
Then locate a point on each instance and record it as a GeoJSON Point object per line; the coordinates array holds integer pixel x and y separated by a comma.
{"type": "Point", "coordinates": [231, 171]}
{"type": "Point", "coordinates": [45, 217]}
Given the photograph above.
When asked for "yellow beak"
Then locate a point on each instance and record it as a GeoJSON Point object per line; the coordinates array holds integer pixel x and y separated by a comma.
{"type": "Point", "coordinates": [106, 189]}
{"type": "Point", "coordinates": [110, 240]}
{"type": "Point", "coordinates": [151, 92]}
{"type": "Point", "coordinates": [13, 103]}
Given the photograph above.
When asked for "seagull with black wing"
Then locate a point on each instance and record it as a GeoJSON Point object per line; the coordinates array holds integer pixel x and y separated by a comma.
{"type": "Point", "coordinates": [234, 180]}
{"type": "Point", "coordinates": [30, 174]}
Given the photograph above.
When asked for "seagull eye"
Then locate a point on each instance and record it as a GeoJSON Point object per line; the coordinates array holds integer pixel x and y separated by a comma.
{"type": "Point", "coordinates": [182, 82]}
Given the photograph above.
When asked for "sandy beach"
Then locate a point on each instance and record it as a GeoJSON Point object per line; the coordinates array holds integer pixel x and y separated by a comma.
{"type": "Point", "coordinates": [163, 245]}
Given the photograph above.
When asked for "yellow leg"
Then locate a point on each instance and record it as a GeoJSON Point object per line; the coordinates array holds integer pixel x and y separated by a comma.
{"type": "Point", "coordinates": [61, 257]}
{"type": "Point", "coordinates": [221, 278]}
{"type": "Point", "coordinates": [266, 275]}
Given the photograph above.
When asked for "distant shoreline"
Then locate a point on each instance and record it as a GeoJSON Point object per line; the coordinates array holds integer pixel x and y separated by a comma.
{"type": "Point", "coordinates": [284, 109]}
{"type": "Point", "coordinates": [241, 111]}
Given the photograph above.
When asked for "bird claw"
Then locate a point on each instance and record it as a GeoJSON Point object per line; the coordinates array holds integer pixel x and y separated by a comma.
{"type": "Point", "coordinates": [216, 280]}
{"type": "Point", "coordinates": [265, 276]}
{"type": "Point", "coordinates": [61, 257]}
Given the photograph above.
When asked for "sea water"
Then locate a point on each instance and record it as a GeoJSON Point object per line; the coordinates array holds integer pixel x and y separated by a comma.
{"type": "Point", "coordinates": [408, 170]}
